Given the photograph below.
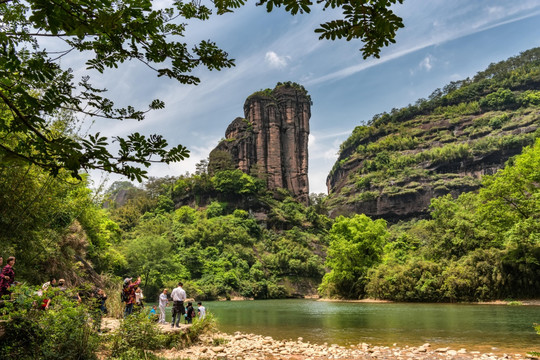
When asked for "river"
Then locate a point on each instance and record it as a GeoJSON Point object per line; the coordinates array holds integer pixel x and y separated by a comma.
{"type": "Point", "coordinates": [486, 328]}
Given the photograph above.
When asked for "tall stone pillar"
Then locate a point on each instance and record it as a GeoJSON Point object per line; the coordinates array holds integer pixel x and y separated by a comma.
{"type": "Point", "coordinates": [274, 137]}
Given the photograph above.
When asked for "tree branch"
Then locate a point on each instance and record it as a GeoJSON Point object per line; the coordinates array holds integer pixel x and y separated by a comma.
{"type": "Point", "coordinates": [64, 53]}
{"type": "Point", "coordinates": [22, 117]}
{"type": "Point", "coordinates": [36, 34]}
{"type": "Point", "coordinates": [30, 160]}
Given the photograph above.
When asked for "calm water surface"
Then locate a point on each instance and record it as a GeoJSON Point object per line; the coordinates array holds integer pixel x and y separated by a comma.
{"type": "Point", "coordinates": [490, 328]}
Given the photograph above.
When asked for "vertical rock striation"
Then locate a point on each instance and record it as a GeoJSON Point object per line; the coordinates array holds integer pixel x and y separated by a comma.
{"type": "Point", "coordinates": [271, 140]}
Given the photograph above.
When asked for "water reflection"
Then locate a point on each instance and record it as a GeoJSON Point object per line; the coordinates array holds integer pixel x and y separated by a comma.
{"type": "Point", "coordinates": [471, 326]}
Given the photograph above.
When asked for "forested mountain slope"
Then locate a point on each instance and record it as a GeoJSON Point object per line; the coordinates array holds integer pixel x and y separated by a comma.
{"type": "Point", "coordinates": [224, 234]}
{"type": "Point", "coordinates": [392, 167]}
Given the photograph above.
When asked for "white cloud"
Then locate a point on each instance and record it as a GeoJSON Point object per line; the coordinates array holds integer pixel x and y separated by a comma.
{"type": "Point", "coordinates": [276, 61]}
{"type": "Point", "coordinates": [197, 153]}
{"type": "Point", "coordinates": [408, 44]}
{"type": "Point", "coordinates": [326, 146]}
{"type": "Point", "coordinates": [497, 10]}
{"type": "Point", "coordinates": [426, 63]}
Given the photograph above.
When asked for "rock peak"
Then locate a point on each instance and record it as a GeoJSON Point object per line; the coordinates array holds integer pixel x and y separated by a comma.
{"type": "Point", "coordinates": [271, 140]}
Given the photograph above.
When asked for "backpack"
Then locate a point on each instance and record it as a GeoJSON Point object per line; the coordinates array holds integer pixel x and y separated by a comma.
{"type": "Point", "coordinates": [124, 294]}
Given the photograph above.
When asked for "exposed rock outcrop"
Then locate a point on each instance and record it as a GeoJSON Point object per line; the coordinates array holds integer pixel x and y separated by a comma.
{"type": "Point", "coordinates": [395, 175]}
{"type": "Point", "coordinates": [271, 140]}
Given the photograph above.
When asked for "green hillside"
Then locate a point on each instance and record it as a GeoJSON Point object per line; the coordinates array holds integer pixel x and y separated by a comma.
{"type": "Point", "coordinates": [393, 166]}
{"type": "Point", "coordinates": [224, 234]}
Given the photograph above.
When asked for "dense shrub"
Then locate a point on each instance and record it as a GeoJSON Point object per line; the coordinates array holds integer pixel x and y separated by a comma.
{"type": "Point", "coordinates": [65, 331]}
{"type": "Point", "coordinates": [136, 334]}
{"type": "Point", "coordinates": [416, 280]}
{"type": "Point", "coordinates": [499, 100]}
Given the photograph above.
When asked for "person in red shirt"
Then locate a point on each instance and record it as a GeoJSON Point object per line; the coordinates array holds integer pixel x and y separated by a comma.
{"type": "Point", "coordinates": [129, 294]}
{"type": "Point", "coordinates": [7, 277]}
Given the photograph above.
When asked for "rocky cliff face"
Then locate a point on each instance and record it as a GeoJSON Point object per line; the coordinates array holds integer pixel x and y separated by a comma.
{"type": "Point", "coordinates": [271, 140]}
{"type": "Point", "coordinates": [414, 197]}
{"type": "Point", "coordinates": [392, 168]}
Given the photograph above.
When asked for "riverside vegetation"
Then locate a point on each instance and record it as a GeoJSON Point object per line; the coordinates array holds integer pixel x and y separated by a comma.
{"type": "Point", "coordinates": [205, 228]}
{"type": "Point", "coordinates": [68, 330]}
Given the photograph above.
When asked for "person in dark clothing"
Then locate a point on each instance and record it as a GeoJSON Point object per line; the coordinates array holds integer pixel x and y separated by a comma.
{"type": "Point", "coordinates": [101, 308]}
{"type": "Point", "coordinates": [190, 313]}
{"type": "Point", "coordinates": [101, 299]}
{"type": "Point", "coordinates": [7, 277]}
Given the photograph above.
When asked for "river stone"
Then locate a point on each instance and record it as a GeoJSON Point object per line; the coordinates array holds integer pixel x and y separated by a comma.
{"type": "Point", "coordinates": [452, 352]}
{"type": "Point", "coordinates": [441, 349]}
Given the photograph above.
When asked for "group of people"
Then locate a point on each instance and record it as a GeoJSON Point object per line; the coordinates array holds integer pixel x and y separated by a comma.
{"type": "Point", "coordinates": [52, 283]}
{"type": "Point", "coordinates": [95, 298]}
{"type": "Point", "coordinates": [132, 295]}
{"type": "Point", "coordinates": [178, 296]}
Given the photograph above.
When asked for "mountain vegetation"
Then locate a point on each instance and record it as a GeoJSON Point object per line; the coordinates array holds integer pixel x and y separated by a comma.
{"type": "Point", "coordinates": [56, 226]}
{"type": "Point", "coordinates": [214, 242]}
{"type": "Point", "coordinates": [392, 166]}
{"type": "Point", "coordinates": [482, 245]}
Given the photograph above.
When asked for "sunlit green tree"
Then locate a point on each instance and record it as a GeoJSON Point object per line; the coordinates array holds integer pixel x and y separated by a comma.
{"type": "Point", "coordinates": [356, 244]}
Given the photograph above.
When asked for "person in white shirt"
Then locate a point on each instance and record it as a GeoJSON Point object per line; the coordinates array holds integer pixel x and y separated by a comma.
{"type": "Point", "coordinates": [163, 302]}
{"type": "Point", "coordinates": [201, 310]}
{"type": "Point", "coordinates": [139, 296]}
{"type": "Point", "coordinates": [178, 296]}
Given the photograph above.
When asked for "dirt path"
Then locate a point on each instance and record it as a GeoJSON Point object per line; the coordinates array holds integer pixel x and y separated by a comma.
{"type": "Point", "coordinates": [111, 324]}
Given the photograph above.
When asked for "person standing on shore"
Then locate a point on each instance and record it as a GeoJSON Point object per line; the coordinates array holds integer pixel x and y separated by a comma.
{"type": "Point", "coordinates": [163, 302]}
{"type": "Point", "coordinates": [139, 299]}
{"type": "Point", "coordinates": [178, 296]}
{"type": "Point", "coordinates": [101, 299]}
{"type": "Point", "coordinates": [129, 294]}
{"type": "Point", "coordinates": [190, 313]}
{"type": "Point", "coordinates": [7, 277]}
{"type": "Point", "coordinates": [201, 310]}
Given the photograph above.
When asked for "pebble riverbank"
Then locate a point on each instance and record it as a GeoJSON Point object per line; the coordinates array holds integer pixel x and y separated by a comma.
{"type": "Point", "coordinates": [256, 347]}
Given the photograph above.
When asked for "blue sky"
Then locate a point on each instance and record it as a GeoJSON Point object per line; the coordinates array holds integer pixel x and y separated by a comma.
{"type": "Point", "coordinates": [443, 40]}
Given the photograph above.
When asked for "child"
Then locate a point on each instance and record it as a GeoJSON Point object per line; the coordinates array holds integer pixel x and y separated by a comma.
{"type": "Point", "coordinates": [153, 314]}
{"type": "Point", "coordinates": [201, 310]}
{"type": "Point", "coordinates": [139, 299]}
{"type": "Point", "coordinates": [190, 313]}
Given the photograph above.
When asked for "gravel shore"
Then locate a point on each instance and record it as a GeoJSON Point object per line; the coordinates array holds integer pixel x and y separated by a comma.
{"type": "Point", "coordinates": [256, 347]}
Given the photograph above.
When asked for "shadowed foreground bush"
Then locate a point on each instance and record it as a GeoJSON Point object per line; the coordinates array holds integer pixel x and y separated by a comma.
{"type": "Point", "coordinates": [68, 330]}
{"type": "Point", "coordinates": [62, 332]}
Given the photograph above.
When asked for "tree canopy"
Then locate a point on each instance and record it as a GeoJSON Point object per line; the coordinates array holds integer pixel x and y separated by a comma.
{"type": "Point", "coordinates": [35, 90]}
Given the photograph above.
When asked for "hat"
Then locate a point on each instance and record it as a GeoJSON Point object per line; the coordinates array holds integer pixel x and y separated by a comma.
{"type": "Point", "coordinates": [61, 281]}
{"type": "Point", "coordinates": [127, 280]}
